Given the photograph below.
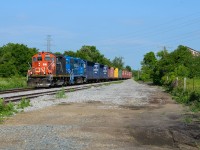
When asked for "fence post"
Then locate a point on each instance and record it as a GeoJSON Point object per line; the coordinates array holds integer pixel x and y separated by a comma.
{"type": "Point", "coordinates": [185, 84]}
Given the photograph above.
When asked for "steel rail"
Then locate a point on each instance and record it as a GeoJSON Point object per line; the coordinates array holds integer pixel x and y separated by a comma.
{"type": "Point", "coordinates": [37, 94]}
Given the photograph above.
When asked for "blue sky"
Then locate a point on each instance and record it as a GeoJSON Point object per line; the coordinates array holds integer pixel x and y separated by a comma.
{"type": "Point", "coordinates": [122, 28]}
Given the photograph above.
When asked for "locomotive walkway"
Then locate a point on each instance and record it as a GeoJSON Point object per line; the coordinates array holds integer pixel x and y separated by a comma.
{"type": "Point", "coordinates": [118, 116]}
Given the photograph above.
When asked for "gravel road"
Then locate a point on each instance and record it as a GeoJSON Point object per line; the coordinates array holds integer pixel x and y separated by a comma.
{"type": "Point", "coordinates": [117, 116]}
{"type": "Point", "coordinates": [126, 93]}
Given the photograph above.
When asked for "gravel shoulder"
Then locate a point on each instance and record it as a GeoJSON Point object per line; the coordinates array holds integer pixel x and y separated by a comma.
{"type": "Point", "coordinates": [118, 116]}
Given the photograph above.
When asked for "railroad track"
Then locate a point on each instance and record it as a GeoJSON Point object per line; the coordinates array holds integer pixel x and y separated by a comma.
{"type": "Point", "coordinates": [52, 92]}
{"type": "Point", "coordinates": [16, 90]}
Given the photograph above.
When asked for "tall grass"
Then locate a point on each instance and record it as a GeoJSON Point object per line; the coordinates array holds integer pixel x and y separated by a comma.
{"type": "Point", "coordinates": [189, 96]}
{"type": "Point", "coordinates": [193, 84]}
{"type": "Point", "coordinates": [8, 109]}
{"type": "Point", "coordinates": [13, 82]}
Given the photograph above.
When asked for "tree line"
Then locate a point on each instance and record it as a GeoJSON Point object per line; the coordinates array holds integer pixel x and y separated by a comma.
{"type": "Point", "coordinates": [15, 59]}
{"type": "Point", "coordinates": [166, 65]}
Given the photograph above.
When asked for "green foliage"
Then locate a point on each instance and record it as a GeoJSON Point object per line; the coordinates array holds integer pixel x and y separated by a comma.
{"type": "Point", "coordinates": [188, 120]}
{"type": "Point", "coordinates": [58, 53]}
{"type": "Point", "coordinates": [6, 109]}
{"type": "Point", "coordinates": [14, 59]}
{"type": "Point", "coordinates": [70, 53]}
{"type": "Point", "coordinates": [164, 70]}
{"type": "Point", "coordinates": [90, 53]}
{"type": "Point", "coordinates": [149, 64]}
{"type": "Point", "coordinates": [118, 62]}
{"type": "Point", "coordinates": [23, 103]}
{"type": "Point", "coordinates": [128, 68]}
{"type": "Point", "coordinates": [10, 108]}
{"type": "Point", "coordinates": [181, 71]}
{"type": "Point", "coordinates": [71, 90]}
{"type": "Point", "coordinates": [61, 94]}
{"type": "Point", "coordinates": [135, 74]}
{"type": "Point", "coordinates": [179, 63]}
{"type": "Point", "coordinates": [13, 82]}
{"type": "Point", "coordinates": [190, 98]}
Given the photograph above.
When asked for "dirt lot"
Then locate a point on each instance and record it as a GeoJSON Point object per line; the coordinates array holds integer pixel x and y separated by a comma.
{"type": "Point", "coordinates": [162, 124]}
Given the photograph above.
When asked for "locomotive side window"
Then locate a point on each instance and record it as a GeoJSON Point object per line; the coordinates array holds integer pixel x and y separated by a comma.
{"type": "Point", "coordinates": [39, 58]}
{"type": "Point", "coordinates": [34, 59]}
{"type": "Point", "coordinates": [47, 58]}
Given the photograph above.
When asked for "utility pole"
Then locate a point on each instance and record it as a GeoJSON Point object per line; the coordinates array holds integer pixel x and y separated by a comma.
{"type": "Point", "coordinates": [48, 43]}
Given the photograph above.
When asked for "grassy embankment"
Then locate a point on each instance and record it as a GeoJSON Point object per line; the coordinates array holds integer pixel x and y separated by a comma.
{"type": "Point", "coordinates": [13, 82]}
{"type": "Point", "coordinates": [190, 96]}
{"type": "Point", "coordinates": [11, 108]}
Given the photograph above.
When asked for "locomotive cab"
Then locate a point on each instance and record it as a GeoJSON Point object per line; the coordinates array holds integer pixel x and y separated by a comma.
{"type": "Point", "coordinates": [43, 64]}
{"type": "Point", "coordinates": [76, 67]}
{"type": "Point", "coordinates": [42, 70]}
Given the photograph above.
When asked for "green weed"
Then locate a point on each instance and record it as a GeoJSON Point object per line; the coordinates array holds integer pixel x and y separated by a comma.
{"type": "Point", "coordinates": [6, 109]}
{"type": "Point", "coordinates": [23, 103]}
{"type": "Point", "coordinates": [188, 120]}
{"type": "Point", "coordinates": [188, 97]}
{"type": "Point", "coordinates": [71, 90]}
{"type": "Point", "coordinates": [61, 94]}
{"type": "Point", "coordinates": [10, 108]}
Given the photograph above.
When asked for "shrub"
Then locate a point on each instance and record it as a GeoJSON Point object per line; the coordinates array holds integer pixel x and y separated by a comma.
{"type": "Point", "coordinates": [23, 103]}
{"type": "Point", "coordinates": [10, 108]}
{"type": "Point", "coordinates": [61, 93]}
{"type": "Point", "coordinates": [6, 109]}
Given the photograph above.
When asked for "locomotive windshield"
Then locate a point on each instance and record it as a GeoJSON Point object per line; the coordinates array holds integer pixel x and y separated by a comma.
{"type": "Point", "coordinates": [39, 58]}
{"type": "Point", "coordinates": [47, 58]}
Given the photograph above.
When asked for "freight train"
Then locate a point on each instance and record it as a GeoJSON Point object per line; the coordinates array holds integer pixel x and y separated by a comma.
{"type": "Point", "coordinates": [49, 70]}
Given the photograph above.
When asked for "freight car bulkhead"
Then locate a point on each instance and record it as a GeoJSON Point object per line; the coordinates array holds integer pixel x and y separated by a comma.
{"type": "Point", "coordinates": [53, 70]}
